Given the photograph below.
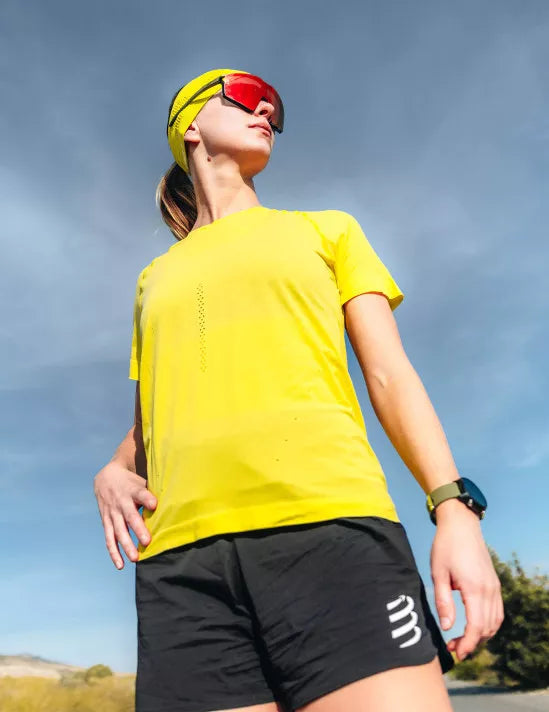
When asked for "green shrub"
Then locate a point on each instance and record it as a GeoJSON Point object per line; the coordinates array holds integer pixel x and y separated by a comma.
{"type": "Point", "coordinates": [521, 645]}
{"type": "Point", "coordinates": [97, 671]}
{"type": "Point", "coordinates": [518, 654]}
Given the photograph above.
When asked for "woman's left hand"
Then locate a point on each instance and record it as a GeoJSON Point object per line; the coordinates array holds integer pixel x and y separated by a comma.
{"type": "Point", "coordinates": [461, 561]}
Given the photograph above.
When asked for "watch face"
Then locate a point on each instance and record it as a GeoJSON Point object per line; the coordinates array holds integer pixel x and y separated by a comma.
{"type": "Point", "coordinates": [474, 491]}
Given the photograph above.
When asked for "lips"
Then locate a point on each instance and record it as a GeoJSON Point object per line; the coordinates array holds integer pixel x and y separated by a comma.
{"type": "Point", "coordinates": [263, 128]}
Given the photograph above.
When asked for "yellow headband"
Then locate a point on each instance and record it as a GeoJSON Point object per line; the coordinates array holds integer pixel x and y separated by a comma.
{"type": "Point", "coordinates": [190, 112]}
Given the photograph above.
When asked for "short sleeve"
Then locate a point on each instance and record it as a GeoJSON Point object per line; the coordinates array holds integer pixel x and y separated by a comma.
{"type": "Point", "coordinates": [358, 268]}
{"type": "Point", "coordinates": [135, 351]}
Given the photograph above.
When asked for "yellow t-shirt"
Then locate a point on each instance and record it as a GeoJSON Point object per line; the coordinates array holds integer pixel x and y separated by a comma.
{"type": "Point", "coordinates": [250, 417]}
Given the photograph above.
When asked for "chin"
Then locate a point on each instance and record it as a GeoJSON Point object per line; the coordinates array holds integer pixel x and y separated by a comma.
{"type": "Point", "coordinates": [251, 166]}
{"type": "Point", "coordinates": [254, 158]}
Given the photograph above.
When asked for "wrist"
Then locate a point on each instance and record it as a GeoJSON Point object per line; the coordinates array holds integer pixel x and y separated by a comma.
{"type": "Point", "coordinates": [452, 509]}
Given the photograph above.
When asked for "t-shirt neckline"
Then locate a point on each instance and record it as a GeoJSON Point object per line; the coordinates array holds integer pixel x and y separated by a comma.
{"type": "Point", "coordinates": [223, 219]}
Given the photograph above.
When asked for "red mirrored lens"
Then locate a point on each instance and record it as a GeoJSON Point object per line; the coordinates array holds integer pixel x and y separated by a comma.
{"type": "Point", "coordinates": [248, 90]}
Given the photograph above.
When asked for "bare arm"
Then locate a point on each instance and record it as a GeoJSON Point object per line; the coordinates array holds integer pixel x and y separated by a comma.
{"type": "Point", "coordinates": [399, 398]}
{"type": "Point", "coordinates": [131, 451]}
{"type": "Point", "coordinates": [460, 559]}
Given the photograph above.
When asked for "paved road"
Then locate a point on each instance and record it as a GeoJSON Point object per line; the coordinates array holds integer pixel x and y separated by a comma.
{"type": "Point", "coordinates": [468, 697]}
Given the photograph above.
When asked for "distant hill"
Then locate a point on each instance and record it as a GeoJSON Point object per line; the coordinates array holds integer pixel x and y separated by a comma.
{"type": "Point", "coordinates": [33, 665]}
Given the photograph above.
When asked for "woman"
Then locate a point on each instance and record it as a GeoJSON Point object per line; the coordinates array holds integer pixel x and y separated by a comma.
{"type": "Point", "coordinates": [274, 573]}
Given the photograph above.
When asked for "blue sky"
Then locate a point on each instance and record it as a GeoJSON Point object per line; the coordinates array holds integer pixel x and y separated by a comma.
{"type": "Point", "coordinates": [426, 121]}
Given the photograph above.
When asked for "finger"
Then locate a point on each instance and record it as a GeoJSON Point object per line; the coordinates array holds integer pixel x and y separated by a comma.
{"type": "Point", "coordinates": [496, 617]}
{"type": "Point", "coordinates": [501, 610]}
{"type": "Point", "coordinates": [145, 497]}
{"type": "Point", "coordinates": [443, 600]}
{"type": "Point", "coordinates": [135, 521]}
{"type": "Point", "coordinates": [486, 603]}
{"type": "Point", "coordinates": [123, 536]}
{"type": "Point", "coordinates": [474, 609]}
{"type": "Point", "coordinates": [112, 546]}
{"type": "Point", "coordinates": [493, 618]}
{"type": "Point", "coordinates": [490, 609]}
{"type": "Point", "coordinates": [491, 614]}
{"type": "Point", "coordinates": [501, 617]}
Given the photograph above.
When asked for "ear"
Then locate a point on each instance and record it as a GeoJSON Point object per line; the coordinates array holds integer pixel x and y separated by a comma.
{"type": "Point", "coordinates": [192, 134]}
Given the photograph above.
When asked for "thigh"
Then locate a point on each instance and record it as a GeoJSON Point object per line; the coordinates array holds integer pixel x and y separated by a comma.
{"type": "Point", "coordinates": [414, 688]}
{"type": "Point", "coordinates": [337, 602]}
{"type": "Point", "coordinates": [196, 638]}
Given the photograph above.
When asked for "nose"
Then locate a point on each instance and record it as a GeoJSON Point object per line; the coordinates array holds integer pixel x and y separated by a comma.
{"type": "Point", "coordinates": [264, 108]}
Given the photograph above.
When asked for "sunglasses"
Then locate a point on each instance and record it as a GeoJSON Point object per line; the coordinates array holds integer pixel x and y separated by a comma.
{"type": "Point", "coordinates": [244, 90]}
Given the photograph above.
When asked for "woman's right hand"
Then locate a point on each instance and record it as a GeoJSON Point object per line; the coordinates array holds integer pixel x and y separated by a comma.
{"type": "Point", "coordinates": [120, 492]}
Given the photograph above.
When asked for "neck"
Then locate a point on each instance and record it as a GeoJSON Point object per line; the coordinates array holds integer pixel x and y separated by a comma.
{"type": "Point", "coordinates": [220, 193]}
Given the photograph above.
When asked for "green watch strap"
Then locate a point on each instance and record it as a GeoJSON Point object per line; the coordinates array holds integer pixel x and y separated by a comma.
{"type": "Point", "coordinates": [447, 491]}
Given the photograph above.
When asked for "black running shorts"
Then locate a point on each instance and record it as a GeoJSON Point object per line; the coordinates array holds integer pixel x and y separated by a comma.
{"type": "Point", "coordinates": [287, 614]}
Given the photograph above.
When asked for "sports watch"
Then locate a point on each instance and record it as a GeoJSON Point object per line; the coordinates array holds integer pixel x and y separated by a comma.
{"type": "Point", "coordinates": [463, 489]}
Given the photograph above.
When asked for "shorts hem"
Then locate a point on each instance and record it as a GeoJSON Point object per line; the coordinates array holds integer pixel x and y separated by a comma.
{"type": "Point", "coordinates": [244, 701]}
{"type": "Point", "coordinates": [355, 673]}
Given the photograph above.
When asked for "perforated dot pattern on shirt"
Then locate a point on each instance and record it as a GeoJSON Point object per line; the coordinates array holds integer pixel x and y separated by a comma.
{"type": "Point", "coordinates": [201, 325]}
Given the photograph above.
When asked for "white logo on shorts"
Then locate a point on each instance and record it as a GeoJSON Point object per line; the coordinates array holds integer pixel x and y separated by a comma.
{"type": "Point", "coordinates": [405, 612]}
